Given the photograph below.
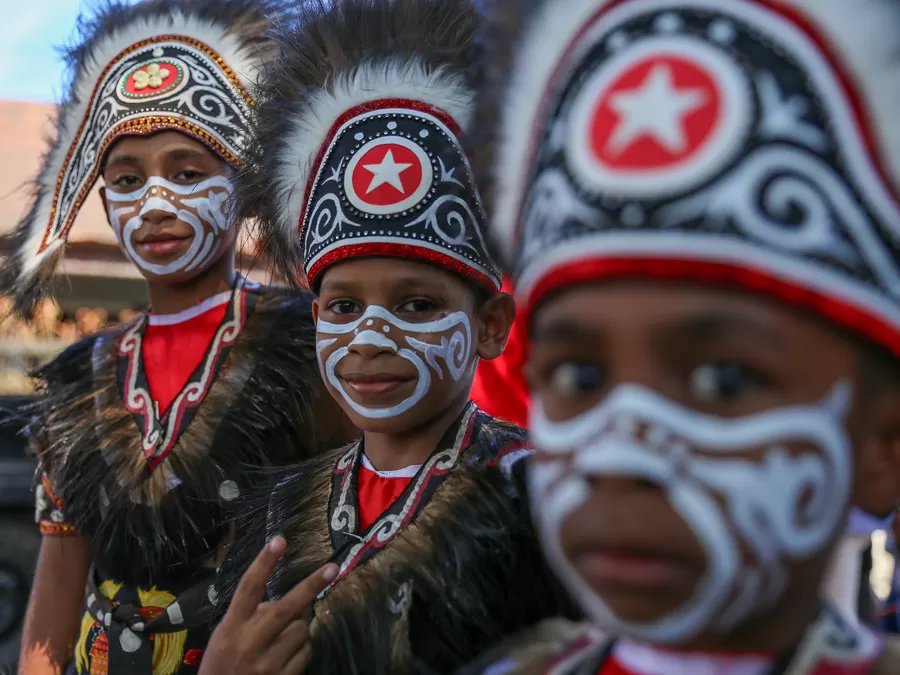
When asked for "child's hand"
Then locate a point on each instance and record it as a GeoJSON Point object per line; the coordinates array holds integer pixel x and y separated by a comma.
{"type": "Point", "coordinates": [265, 638]}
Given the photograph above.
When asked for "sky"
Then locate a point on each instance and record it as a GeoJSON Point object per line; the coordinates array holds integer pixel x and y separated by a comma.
{"type": "Point", "coordinates": [30, 68]}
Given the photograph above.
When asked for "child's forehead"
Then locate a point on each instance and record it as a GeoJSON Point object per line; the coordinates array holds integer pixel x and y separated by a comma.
{"type": "Point", "coordinates": [378, 273]}
{"type": "Point", "coordinates": [691, 311]}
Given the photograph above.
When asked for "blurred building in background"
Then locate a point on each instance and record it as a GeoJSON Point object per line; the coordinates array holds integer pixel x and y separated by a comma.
{"type": "Point", "coordinates": [97, 285]}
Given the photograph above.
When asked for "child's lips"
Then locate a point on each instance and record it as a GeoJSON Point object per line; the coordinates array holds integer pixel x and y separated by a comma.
{"type": "Point", "coordinates": [632, 569]}
{"type": "Point", "coordinates": [161, 244]}
{"type": "Point", "coordinates": [374, 385]}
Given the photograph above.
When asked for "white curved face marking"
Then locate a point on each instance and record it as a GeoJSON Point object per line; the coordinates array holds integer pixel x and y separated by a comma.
{"type": "Point", "coordinates": [202, 206]}
{"type": "Point", "coordinates": [444, 344]}
{"type": "Point", "coordinates": [776, 484]}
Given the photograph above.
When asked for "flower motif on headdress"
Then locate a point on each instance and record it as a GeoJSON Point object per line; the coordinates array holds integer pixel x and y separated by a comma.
{"type": "Point", "coordinates": [152, 76]}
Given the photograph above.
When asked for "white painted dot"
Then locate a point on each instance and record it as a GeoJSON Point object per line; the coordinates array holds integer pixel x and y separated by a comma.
{"type": "Point", "coordinates": [386, 329]}
{"type": "Point", "coordinates": [618, 40]}
{"type": "Point", "coordinates": [359, 136]}
{"type": "Point", "coordinates": [722, 31]}
{"type": "Point", "coordinates": [632, 216]}
{"type": "Point", "coordinates": [100, 615]}
{"type": "Point", "coordinates": [153, 191]}
{"type": "Point", "coordinates": [129, 642]}
{"type": "Point", "coordinates": [165, 193]}
{"type": "Point", "coordinates": [370, 322]}
{"type": "Point", "coordinates": [158, 52]}
{"type": "Point", "coordinates": [423, 133]}
{"type": "Point", "coordinates": [175, 615]}
{"type": "Point", "coordinates": [229, 490]}
{"type": "Point", "coordinates": [668, 23]}
{"type": "Point", "coordinates": [392, 125]}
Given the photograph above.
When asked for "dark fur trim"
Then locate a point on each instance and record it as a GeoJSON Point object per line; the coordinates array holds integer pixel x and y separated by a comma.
{"type": "Point", "coordinates": [329, 37]}
{"type": "Point", "coordinates": [248, 19]}
{"type": "Point", "coordinates": [266, 407]}
{"type": "Point", "coordinates": [532, 650]}
{"type": "Point", "coordinates": [889, 663]}
{"type": "Point", "coordinates": [470, 564]}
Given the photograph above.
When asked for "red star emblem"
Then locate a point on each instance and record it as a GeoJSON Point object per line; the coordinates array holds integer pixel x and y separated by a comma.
{"type": "Point", "coordinates": [658, 118]}
{"type": "Point", "coordinates": [657, 113]}
{"type": "Point", "coordinates": [388, 175]}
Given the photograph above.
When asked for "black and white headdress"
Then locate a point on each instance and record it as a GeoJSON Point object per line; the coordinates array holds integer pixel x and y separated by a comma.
{"type": "Point", "coordinates": [184, 65]}
{"type": "Point", "coordinates": [740, 142]}
{"type": "Point", "coordinates": [359, 149]}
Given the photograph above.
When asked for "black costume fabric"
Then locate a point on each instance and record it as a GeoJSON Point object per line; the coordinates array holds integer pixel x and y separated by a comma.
{"type": "Point", "coordinates": [155, 523]}
{"type": "Point", "coordinates": [451, 568]}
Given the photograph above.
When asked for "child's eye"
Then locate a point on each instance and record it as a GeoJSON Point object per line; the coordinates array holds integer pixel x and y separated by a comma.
{"type": "Point", "coordinates": [344, 307]}
{"type": "Point", "coordinates": [575, 378]}
{"type": "Point", "coordinates": [126, 181]}
{"type": "Point", "coordinates": [189, 176]}
{"type": "Point", "coordinates": [418, 306]}
{"type": "Point", "coordinates": [712, 382]}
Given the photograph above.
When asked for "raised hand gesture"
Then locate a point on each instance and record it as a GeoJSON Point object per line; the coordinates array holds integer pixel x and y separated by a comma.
{"type": "Point", "coordinates": [265, 638]}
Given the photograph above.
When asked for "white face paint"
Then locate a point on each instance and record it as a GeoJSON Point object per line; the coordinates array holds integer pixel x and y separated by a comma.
{"type": "Point", "coordinates": [202, 206]}
{"type": "Point", "coordinates": [450, 344]}
{"type": "Point", "coordinates": [787, 505]}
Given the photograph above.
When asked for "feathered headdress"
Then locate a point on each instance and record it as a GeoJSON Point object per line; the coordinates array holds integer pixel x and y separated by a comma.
{"type": "Point", "coordinates": [743, 143]}
{"type": "Point", "coordinates": [358, 149]}
{"type": "Point", "coordinates": [184, 65]}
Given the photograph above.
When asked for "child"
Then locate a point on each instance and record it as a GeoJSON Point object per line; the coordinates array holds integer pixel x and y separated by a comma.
{"type": "Point", "coordinates": [698, 203]}
{"type": "Point", "coordinates": [149, 432]}
{"type": "Point", "coordinates": [362, 171]}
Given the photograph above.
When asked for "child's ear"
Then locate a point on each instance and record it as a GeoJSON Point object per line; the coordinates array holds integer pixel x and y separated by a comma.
{"type": "Point", "coordinates": [496, 315]}
{"type": "Point", "coordinates": [315, 310]}
{"type": "Point", "coordinates": [877, 487]}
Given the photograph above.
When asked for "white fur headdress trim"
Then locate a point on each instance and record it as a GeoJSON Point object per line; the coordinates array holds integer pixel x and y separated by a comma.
{"type": "Point", "coordinates": [862, 33]}
{"type": "Point", "coordinates": [409, 79]}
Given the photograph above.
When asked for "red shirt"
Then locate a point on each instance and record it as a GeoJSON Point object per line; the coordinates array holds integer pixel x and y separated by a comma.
{"type": "Point", "coordinates": [175, 344]}
{"type": "Point", "coordinates": [377, 490]}
{"type": "Point", "coordinates": [500, 388]}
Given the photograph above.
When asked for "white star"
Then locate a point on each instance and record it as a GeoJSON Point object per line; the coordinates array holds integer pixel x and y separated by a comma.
{"type": "Point", "coordinates": [656, 108]}
{"type": "Point", "coordinates": [387, 172]}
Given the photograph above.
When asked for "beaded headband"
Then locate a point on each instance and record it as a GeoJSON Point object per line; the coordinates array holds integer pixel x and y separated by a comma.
{"type": "Point", "coordinates": [740, 142]}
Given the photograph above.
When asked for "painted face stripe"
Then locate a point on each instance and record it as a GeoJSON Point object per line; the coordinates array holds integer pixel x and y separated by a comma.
{"type": "Point", "coordinates": [455, 351]}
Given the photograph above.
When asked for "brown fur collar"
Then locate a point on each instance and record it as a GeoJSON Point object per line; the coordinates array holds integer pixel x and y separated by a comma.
{"type": "Point", "coordinates": [261, 410]}
{"type": "Point", "coordinates": [889, 663]}
{"type": "Point", "coordinates": [558, 647]}
{"type": "Point", "coordinates": [464, 574]}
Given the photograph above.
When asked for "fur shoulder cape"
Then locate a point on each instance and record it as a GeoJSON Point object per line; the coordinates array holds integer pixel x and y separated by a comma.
{"type": "Point", "coordinates": [559, 647]}
{"type": "Point", "coordinates": [446, 572]}
{"type": "Point", "coordinates": [265, 405]}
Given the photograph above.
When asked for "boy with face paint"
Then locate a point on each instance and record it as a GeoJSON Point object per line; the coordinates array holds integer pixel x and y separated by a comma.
{"type": "Point", "coordinates": [149, 433]}
{"type": "Point", "coordinates": [363, 178]}
{"type": "Point", "coordinates": [698, 203]}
